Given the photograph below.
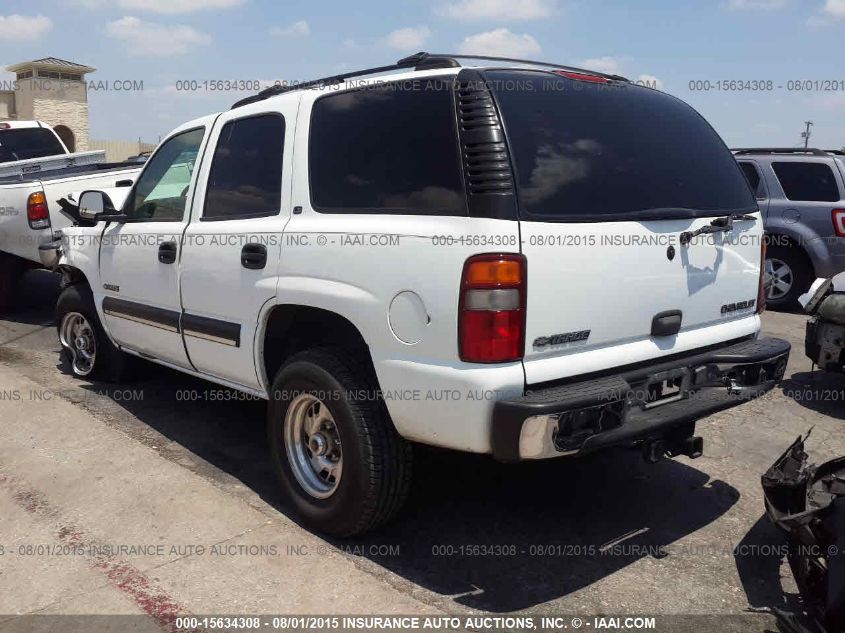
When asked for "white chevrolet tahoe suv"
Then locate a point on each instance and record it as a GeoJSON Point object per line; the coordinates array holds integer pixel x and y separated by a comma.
{"type": "Point", "coordinates": [516, 259]}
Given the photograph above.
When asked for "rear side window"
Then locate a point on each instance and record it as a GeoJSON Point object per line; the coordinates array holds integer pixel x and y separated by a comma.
{"type": "Point", "coordinates": [246, 172]}
{"type": "Point", "coordinates": [24, 143]}
{"type": "Point", "coordinates": [753, 178]}
{"type": "Point", "coordinates": [809, 182]}
{"type": "Point", "coordinates": [597, 152]}
{"type": "Point", "coordinates": [387, 149]}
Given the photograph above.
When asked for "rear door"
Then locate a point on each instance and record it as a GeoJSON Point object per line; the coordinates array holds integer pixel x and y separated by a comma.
{"type": "Point", "coordinates": [609, 176]}
{"type": "Point", "coordinates": [812, 190]}
{"type": "Point", "coordinates": [232, 247]}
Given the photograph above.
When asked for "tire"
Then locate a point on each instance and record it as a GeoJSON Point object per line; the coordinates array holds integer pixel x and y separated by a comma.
{"type": "Point", "coordinates": [375, 462]}
{"type": "Point", "coordinates": [790, 279]}
{"type": "Point", "coordinates": [11, 270]}
{"type": "Point", "coordinates": [108, 364]}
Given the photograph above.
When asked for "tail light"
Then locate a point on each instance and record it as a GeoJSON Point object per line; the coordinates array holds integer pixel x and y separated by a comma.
{"type": "Point", "coordinates": [761, 290]}
{"type": "Point", "coordinates": [37, 212]}
{"type": "Point", "coordinates": [491, 313]}
{"type": "Point", "coordinates": [838, 217]}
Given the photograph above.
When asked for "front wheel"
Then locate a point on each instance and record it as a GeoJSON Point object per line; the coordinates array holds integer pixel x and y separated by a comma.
{"type": "Point", "coordinates": [85, 345]}
{"type": "Point", "coordinates": [336, 454]}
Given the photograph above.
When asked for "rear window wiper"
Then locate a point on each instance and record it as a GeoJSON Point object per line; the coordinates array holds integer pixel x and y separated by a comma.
{"type": "Point", "coordinates": [718, 225]}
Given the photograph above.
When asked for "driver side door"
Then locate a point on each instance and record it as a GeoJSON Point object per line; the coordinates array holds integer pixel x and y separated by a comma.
{"type": "Point", "coordinates": [139, 258]}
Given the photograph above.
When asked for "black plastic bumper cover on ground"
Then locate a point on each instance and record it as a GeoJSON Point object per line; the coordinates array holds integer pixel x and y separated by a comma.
{"type": "Point", "coordinates": [808, 503]}
{"type": "Point", "coordinates": [707, 394]}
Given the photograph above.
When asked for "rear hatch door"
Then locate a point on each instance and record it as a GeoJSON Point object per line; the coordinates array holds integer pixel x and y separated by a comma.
{"type": "Point", "coordinates": [609, 176]}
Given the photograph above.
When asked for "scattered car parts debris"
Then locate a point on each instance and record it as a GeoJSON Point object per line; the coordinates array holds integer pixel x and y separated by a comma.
{"type": "Point", "coordinates": [825, 338]}
{"type": "Point", "coordinates": [808, 502]}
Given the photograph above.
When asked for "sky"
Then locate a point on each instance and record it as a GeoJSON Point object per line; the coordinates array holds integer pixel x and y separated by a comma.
{"type": "Point", "coordinates": [164, 53]}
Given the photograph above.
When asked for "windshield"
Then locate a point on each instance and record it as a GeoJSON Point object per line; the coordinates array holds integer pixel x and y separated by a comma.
{"type": "Point", "coordinates": [597, 152]}
{"type": "Point", "coordinates": [31, 142]}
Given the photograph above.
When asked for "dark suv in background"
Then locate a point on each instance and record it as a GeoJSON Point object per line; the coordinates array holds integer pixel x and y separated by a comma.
{"type": "Point", "coordinates": [801, 193]}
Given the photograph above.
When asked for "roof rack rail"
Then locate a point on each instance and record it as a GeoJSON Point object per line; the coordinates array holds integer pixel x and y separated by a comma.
{"type": "Point", "coordinates": [532, 62]}
{"type": "Point", "coordinates": [417, 61]}
{"type": "Point", "coordinates": [838, 152]}
{"type": "Point", "coordinates": [779, 150]}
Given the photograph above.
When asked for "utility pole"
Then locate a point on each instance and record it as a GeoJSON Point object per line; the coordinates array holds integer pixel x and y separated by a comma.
{"type": "Point", "coordinates": [806, 134]}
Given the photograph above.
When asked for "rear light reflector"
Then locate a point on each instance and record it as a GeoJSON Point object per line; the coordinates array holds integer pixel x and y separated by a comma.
{"type": "Point", "coordinates": [491, 314]}
{"type": "Point", "coordinates": [838, 217]}
{"type": "Point", "coordinates": [492, 299]}
{"type": "Point", "coordinates": [37, 212]}
{"type": "Point", "coordinates": [596, 79]}
{"type": "Point", "coordinates": [5, 126]}
{"type": "Point", "coordinates": [761, 290]}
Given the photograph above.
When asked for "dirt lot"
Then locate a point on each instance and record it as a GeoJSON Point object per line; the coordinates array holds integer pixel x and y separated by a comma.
{"type": "Point", "coordinates": [157, 498]}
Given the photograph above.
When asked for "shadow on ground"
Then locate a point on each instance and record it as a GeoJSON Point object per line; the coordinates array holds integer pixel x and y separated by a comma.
{"type": "Point", "coordinates": [820, 391]}
{"type": "Point", "coordinates": [36, 301]}
{"type": "Point", "coordinates": [762, 568]}
{"type": "Point", "coordinates": [492, 536]}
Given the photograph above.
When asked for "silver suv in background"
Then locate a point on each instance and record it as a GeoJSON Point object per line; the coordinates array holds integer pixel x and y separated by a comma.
{"type": "Point", "coordinates": [801, 194]}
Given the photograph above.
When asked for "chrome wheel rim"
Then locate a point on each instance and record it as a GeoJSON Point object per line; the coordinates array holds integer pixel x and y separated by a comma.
{"type": "Point", "coordinates": [312, 444]}
{"type": "Point", "coordinates": [782, 279]}
{"type": "Point", "coordinates": [77, 336]}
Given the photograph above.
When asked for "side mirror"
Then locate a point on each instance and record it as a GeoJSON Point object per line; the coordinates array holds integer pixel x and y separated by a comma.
{"type": "Point", "coordinates": [96, 205]}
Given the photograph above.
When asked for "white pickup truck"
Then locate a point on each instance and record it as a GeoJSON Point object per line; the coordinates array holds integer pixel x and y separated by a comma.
{"type": "Point", "coordinates": [36, 171]}
{"type": "Point", "coordinates": [527, 261]}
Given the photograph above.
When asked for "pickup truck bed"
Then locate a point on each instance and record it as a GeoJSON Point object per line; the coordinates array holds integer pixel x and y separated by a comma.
{"type": "Point", "coordinates": [18, 236]}
{"type": "Point", "coordinates": [67, 172]}
{"type": "Point", "coordinates": [21, 235]}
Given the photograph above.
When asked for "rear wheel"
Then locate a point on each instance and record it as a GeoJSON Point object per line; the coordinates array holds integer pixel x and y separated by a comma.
{"type": "Point", "coordinates": [85, 345]}
{"type": "Point", "coordinates": [790, 276]}
{"type": "Point", "coordinates": [338, 458]}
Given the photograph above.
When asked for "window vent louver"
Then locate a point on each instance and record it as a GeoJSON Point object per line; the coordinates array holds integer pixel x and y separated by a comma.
{"type": "Point", "coordinates": [483, 149]}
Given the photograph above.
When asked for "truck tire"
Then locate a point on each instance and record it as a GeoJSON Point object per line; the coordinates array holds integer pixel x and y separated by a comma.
{"type": "Point", "coordinates": [336, 454]}
{"type": "Point", "coordinates": [11, 269]}
{"type": "Point", "coordinates": [791, 276]}
{"type": "Point", "coordinates": [86, 347]}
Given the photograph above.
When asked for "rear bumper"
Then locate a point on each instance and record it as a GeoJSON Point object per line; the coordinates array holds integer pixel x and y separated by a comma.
{"type": "Point", "coordinates": [581, 417]}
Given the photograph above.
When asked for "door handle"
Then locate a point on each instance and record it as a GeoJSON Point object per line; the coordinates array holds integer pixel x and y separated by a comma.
{"type": "Point", "coordinates": [254, 256]}
{"type": "Point", "coordinates": [167, 252]}
{"type": "Point", "coordinates": [666, 323]}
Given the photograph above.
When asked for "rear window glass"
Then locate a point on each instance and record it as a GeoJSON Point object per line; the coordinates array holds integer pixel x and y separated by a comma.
{"type": "Point", "coordinates": [24, 143]}
{"type": "Point", "coordinates": [592, 152]}
{"type": "Point", "coordinates": [387, 149]}
{"type": "Point", "coordinates": [810, 182]}
{"type": "Point", "coordinates": [246, 171]}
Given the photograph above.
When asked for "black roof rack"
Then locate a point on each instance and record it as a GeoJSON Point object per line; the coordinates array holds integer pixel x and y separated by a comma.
{"type": "Point", "coordinates": [838, 152]}
{"type": "Point", "coordinates": [531, 62]}
{"type": "Point", "coordinates": [417, 61]}
{"type": "Point", "coordinates": [779, 150]}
